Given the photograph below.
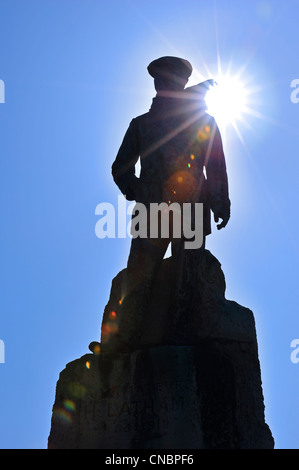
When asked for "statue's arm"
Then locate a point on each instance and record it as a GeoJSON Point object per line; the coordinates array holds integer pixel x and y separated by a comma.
{"type": "Point", "coordinates": [123, 168]}
{"type": "Point", "coordinates": [217, 178]}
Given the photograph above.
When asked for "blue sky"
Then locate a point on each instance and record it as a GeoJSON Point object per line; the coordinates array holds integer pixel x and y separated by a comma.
{"type": "Point", "coordinates": [75, 75]}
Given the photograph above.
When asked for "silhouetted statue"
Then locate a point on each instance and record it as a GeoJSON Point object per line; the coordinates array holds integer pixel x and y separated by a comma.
{"type": "Point", "coordinates": [182, 160]}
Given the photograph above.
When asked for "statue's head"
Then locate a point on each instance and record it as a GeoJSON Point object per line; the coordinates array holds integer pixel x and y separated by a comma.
{"type": "Point", "coordinates": [170, 73]}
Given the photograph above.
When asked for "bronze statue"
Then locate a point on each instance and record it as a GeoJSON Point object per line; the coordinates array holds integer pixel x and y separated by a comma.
{"type": "Point", "coordinates": [182, 160]}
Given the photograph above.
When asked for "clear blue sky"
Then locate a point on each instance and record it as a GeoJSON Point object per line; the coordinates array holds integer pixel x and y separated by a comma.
{"type": "Point", "coordinates": [75, 75]}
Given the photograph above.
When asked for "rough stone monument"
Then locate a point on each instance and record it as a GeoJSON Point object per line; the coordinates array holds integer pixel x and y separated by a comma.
{"type": "Point", "coordinates": [204, 394]}
{"type": "Point", "coordinates": [177, 365]}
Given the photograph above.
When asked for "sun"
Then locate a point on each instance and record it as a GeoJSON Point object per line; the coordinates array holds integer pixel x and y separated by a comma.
{"type": "Point", "coordinates": [227, 100]}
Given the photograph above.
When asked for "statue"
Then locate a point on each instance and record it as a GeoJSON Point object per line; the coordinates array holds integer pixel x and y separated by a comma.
{"type": "Point", "coordinates": [191, 378]}
{"type": "Point", "coordinates": [182, 161]}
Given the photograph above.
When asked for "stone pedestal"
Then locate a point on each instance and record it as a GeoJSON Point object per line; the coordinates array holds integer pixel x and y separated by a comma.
{"type": "Point", "coordinates": [206, 394]}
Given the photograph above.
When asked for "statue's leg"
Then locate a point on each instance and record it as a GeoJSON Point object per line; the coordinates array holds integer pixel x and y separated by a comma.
{"type": "Point", "coordinates": [144, 261]}
{"type": "Point", "coordinates": [186, 265]}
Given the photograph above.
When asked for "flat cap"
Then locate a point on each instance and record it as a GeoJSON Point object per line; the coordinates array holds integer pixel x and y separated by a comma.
{"type": "Point", "coordinates": [169, 66]}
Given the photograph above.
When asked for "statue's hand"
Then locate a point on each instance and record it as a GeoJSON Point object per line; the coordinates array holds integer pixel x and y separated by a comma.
{"type": "Point", "coordinates": [221, 211]}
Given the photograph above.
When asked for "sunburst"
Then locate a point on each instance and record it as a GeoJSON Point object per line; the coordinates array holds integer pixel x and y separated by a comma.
{"type": "Point", "coordinates": [227, 100]}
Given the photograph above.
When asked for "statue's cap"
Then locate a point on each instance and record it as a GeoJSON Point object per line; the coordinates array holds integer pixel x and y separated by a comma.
{"type": "Point", "coordinates": [169, 66]}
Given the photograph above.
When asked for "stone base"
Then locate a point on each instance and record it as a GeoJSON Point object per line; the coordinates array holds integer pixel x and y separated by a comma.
{"type": "Point", "coordinates": [168, 397]}
{"type": "Point", "coordinates": [205, 393]}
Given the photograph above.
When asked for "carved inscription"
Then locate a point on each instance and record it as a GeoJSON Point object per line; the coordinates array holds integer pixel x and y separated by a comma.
{"type": "Point", "coordinates": [149, 406]}
{"type": "Point", "coordinates": [146, 407]}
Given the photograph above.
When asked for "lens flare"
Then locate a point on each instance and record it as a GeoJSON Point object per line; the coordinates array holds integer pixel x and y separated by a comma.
{"type": "Point", "coordinates": [97, 349]}
{"type": "Point", "coordinates": [69, 405]}
{"type": "Point", "coordinates": [76, 390]}
{"type": "Point", "coordinates": [109, 327]}
{"type": "Point", "coordinates": [65, 413]}
{"type": "Point", "coordinates": [204, 133]}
